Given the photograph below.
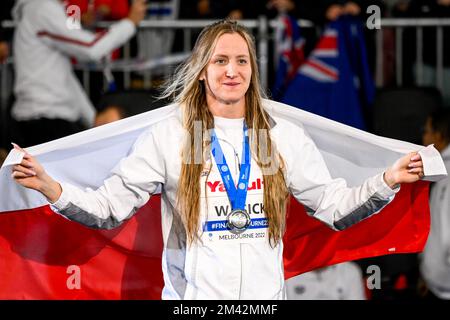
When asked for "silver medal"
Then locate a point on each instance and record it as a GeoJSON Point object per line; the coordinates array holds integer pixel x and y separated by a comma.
{"type": "Point", "coordinates": [238, 221]}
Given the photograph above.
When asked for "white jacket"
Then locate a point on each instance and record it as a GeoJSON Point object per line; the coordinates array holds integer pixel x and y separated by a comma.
{"type": "Point", "coordinates": [435, 266]}
{"type": "Point", "coordinates": [43, 44]}
{"type": "Point", "coordinates": [221, 266]}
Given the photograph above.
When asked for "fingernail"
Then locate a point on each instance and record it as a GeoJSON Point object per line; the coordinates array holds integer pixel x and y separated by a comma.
{"type": "Point", "coordinates": [410, 165]}
{"type": "Point", "coordinates": [32, 173]}
{"type": "Point", "coordinates": [410, 170]}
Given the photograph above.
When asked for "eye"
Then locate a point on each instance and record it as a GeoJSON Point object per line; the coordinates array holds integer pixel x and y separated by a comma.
{"type": "Point", "coordinates": [242, 61]}
{"type": "Point", "coordinates": [220, 61]}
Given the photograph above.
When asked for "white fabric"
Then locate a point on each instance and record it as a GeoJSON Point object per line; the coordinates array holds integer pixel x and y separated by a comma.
{"type": "Point", "coordinates": [348, 152]}
{"type": "Point", "coordinates": [435, 266]}
{"type": "Point", "coordinates": [342, 281]}
{"type": "Point", "coordinates": [45, 85]}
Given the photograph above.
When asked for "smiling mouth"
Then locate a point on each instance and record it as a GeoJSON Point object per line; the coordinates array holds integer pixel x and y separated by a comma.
{"type": "Point", "coordinates": [231, 84]}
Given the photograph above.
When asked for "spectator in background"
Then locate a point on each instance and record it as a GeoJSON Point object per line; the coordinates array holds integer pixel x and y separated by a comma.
{"type": "Point", "coordinates": [50, 102]}
{"type": "Point", "coordinates": [427, 9]}
{"type": "Point", "coordinates": [435, 263]}
{"type": "Point", "coordinates": [331, 10]}
{"type": "Point", "coordinates": [158, 43]}
{"type": "Point", "coordinates": [92, 12]}
{"type": "Point", "coordinates": [342, 281]}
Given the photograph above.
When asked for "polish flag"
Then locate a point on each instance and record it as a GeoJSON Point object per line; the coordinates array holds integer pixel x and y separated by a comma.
{"type": "Point", "coordinates": [45, 256]}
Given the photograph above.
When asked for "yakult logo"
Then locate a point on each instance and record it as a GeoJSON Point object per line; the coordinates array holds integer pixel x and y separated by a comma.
{"type": "Point", "coordinates": [217, 186]}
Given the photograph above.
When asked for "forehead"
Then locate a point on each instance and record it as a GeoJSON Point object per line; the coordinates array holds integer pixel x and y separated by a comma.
{"type": "Point", "coordinates": [231, 44]}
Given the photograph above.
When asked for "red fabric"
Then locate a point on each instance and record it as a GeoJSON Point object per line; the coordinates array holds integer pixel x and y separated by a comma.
{"type": "Point", "coordinates": [404, 225]}
{"type": "Point", "coordinates": [37, 247]}
{"type": "Point", "coordinates": [82, 4]}
{"type": "Point", "coordinates": [119, 8]}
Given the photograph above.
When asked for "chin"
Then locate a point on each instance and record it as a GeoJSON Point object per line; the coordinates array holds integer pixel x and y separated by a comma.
{"type": "Point", "coordinates": [232, 98]}
{"type": "Point", "coordinates": [230, 101]}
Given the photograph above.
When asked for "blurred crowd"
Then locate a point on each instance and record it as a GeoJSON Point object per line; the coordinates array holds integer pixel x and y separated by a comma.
{"type": "Point", "coordinates": [49, 103]}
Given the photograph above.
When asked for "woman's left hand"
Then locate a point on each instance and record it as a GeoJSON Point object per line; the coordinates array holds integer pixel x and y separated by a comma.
{"type": "Point", "coordinates": [407, 169]}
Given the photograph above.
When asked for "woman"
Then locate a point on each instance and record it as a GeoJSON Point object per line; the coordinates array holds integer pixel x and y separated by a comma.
{"type": "Point", "coordinates": [222, 228]}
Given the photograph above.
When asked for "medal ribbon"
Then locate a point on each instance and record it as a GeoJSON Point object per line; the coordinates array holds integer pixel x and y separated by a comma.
{"type": "Point", "coordinates": [236, 194]}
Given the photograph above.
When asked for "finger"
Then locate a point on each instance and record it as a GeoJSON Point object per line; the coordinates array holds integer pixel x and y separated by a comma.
{"type": "Point", "coordinates": [416, 157]}
{"type": "Point", "coordinates": [415, 164]}
{"type": "Point", "coordinates": [16, 146]}
{"type": "Point", "coordinates": [19, 175]}
{"type": "Point", "coordinates": [415, 170]}
{"type": "Point", "coordinates": [27, 164]}
{"type": "Point", "coordinates": [22, 169]}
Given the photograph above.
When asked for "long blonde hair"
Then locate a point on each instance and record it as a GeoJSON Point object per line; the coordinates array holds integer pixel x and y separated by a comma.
{"type": "Point", "coordinates": [189, 92]}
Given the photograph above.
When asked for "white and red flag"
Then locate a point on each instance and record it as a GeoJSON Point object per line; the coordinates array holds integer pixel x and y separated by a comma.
{"type": "Point", "coordinates": [40, 251]}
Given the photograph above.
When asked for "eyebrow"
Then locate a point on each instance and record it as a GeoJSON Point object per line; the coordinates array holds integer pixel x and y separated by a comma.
{"type": "Point", "coordinates": [225, 56]}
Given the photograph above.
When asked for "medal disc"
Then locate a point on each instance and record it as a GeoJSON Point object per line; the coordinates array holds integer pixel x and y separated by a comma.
{"type": "Point", "coordinates": [238, 220]}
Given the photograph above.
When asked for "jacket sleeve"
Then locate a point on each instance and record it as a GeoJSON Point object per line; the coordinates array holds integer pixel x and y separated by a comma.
{"type": "Point", "coordinates": [128, 188]}
{"type": "Point", "coordinates": [327, 199]}
{"type": "Point", "coordinates": [54, 28]}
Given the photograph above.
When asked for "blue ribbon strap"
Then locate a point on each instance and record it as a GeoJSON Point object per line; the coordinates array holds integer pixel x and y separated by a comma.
{"type": "Point", "coordinates": [236, 194]}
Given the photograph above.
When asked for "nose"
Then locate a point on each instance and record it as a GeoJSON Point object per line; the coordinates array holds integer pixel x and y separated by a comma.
{"type": "Point", "coordinates": [231, 70]}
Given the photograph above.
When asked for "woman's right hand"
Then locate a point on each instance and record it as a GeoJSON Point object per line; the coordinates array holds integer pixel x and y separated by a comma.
{"type": "Point", "coordinates": [30, 174]}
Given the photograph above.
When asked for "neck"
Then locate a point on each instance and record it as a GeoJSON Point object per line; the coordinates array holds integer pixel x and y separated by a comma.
{"type": "Point", "coordinates": [232, 110]}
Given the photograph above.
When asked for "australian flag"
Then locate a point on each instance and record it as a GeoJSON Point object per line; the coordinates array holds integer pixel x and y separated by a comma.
{"type": "Point", "coordinates": [335, 81]}
{"type": "Point", "coordinates": [290, 48]}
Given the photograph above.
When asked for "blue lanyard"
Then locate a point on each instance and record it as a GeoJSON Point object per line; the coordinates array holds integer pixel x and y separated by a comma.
{"type": "Point", "coordinates": [237, 196]}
